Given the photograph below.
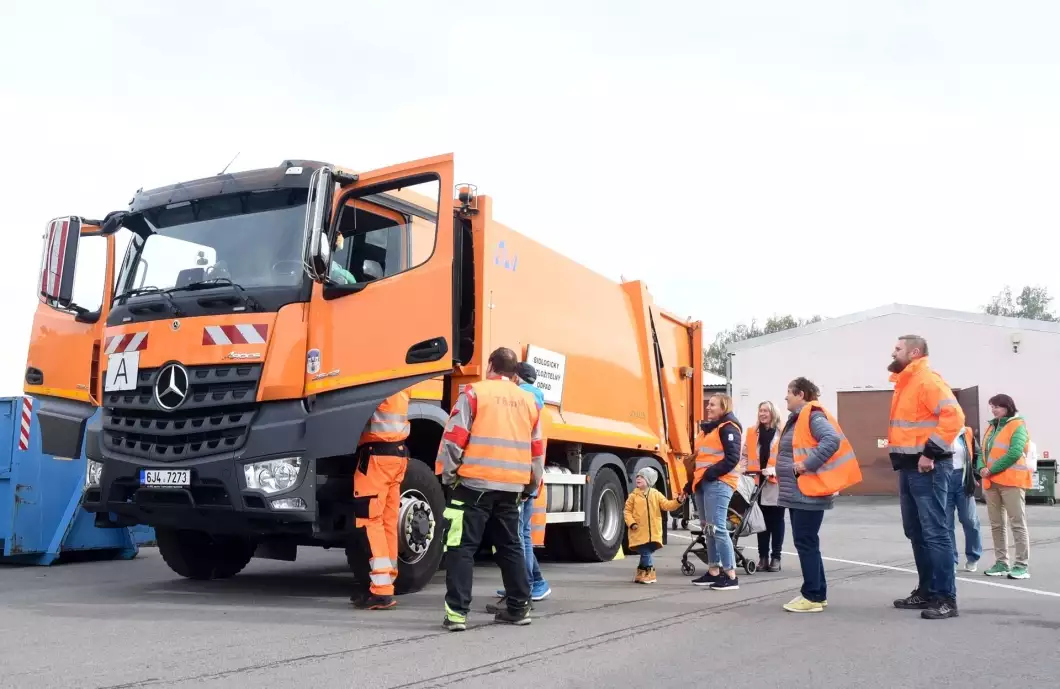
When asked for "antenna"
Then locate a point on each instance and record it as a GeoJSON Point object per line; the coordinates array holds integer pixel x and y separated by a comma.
{"type": "Point", "coordinates": [229, 164]}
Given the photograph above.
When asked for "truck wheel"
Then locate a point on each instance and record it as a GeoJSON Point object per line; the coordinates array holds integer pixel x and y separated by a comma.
{"type": "Point", "coordinates": [600, 541]}
{"type": "Point", "coordinates": [198, 555]}
{"type": "Point", "coordinates": [420, 527]}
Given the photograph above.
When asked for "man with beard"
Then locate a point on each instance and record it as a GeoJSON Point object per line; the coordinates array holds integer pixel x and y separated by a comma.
{"type": "Point", "coordinates": [925, 420]}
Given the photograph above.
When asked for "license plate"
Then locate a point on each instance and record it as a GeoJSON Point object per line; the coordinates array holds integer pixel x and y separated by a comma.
{"type": "Point", "coordinates": [165, 477]}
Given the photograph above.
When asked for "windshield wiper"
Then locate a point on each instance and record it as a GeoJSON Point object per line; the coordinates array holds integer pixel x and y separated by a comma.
{"type": "Point", "coordinates": [248, 300]}
{"type": "Point", "coordinates": [124, 297]}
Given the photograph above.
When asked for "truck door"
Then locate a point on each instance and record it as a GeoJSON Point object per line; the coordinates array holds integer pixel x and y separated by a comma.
{"type": "Point", "coordinates": [385, 311]}
{"type": "Point", "coordinates": [62, 365]}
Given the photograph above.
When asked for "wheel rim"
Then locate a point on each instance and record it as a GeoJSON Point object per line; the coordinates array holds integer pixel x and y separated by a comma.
{"type": "Point", "coordinates": [416, 525]}
{"type": "Point", "coordinates": [607, 516]}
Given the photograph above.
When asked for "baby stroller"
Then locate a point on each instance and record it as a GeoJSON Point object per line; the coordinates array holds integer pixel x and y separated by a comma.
{"type": "Point", "coordinates": [744, 518]}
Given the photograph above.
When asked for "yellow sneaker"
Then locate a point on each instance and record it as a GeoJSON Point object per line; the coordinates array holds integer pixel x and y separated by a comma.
{"type": "Point", "coordinates": [800, 604]}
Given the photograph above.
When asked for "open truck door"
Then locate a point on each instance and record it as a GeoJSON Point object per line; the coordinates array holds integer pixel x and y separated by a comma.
{"type": "Point", "coordinates": [62, 365]}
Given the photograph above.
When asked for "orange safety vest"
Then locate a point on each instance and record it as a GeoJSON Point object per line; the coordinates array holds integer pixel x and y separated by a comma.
{"type": "Point", "coordinates": [390, 422]}
{"type": "Point", "coordinates": [498, 449]}
{"type": "Point", "coordinates": [839, 471]}
{"type": "Point", "coordinates": [1019, 474]}
{"type": "Point", "coordinates": [753, 461]}
{"type": "Point", "coordinates": [709, 451]}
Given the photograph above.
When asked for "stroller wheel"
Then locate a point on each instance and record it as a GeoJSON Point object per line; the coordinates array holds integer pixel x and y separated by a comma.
{"type": "Point", "coordinates": [750, 566]}
{"type": "Point", "coordinates": [687, 568]}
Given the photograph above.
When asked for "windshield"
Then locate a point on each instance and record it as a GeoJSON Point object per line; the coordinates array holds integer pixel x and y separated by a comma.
{"type": "Point", "coordinates": [253, 239]}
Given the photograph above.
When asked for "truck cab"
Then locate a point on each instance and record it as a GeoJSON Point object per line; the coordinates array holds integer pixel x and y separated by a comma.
{"type": "Point", "coordinates": [253, 325]}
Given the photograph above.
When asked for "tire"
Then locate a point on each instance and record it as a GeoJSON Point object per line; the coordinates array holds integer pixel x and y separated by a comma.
{"type": "Point", "coordinates": [608, 497]}
{"type": "Point", "coordinates": [198, 555]}
{"type": "Point", "coordinates": [420, 532]}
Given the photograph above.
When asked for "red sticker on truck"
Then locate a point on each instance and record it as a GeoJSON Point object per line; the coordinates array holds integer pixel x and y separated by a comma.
{"type": "Point", "coordinates": [235, 334]}
{"type": "Point", "coordinates": [125, 343]}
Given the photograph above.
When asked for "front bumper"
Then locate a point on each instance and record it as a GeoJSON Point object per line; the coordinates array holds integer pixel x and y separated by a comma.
{"type": "Point", "coordinates": [217, 501]}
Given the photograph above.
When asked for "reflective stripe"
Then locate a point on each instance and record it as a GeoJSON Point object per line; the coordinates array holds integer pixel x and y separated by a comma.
{"type": "Point", "coordinates": [387, 427]}
{"type": "Point", "coordinates": [1001, 446]}
{"type": "Point", "coordinates": [945, 403]}
{"type": "Point", "coordinates": [835, 463]}
{"type": "Point", "coordinates": [382, 579]}
{"type": "Point", "coordinates": [387, 416]}
{"type": "Point", "coordinates": [906, 449]}
{"type": "Point", "coordinates": [937, 439]}
{"type": "Point", "coordinates": [508, 464]}
{"type": "Point", "coordinates": [912, 424]}
{"type": "Point", "coordinates": [381, 563]}
{"type": "Point", "coordinates": [498, 442]}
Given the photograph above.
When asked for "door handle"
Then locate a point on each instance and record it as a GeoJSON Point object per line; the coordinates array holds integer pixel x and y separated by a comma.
{"type": "Point", "coordinates": [34, 376]}
{"type": "Point", "coordinates": [425, 352]}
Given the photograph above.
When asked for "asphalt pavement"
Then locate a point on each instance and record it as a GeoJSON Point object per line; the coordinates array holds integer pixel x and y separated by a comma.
{"type": "Point", "coordinates": [136, 624]}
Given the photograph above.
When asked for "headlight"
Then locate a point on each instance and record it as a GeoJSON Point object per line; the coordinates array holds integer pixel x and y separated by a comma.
{"type": "Point", "coordinates": [273, 476]}
{"type": "Point", "coordinates": [93, 474]}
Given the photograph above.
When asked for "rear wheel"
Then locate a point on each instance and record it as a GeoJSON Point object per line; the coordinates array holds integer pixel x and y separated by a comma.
{"type": "Point", "coordinates": [419, 532]}
{"type": "Point", "coordinates": [198, 555]}
{"type": "Point", "coordinates": [600, 541]}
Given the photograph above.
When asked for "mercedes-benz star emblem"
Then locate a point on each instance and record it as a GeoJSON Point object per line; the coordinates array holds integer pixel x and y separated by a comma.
{"type": "Point", "coordinates": [171, 386]}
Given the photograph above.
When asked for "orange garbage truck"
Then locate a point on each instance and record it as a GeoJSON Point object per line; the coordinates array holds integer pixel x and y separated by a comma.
{"type": "Point", "coordinates": [255, 321]}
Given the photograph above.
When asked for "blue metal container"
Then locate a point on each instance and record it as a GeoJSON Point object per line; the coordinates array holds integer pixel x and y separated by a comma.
{"type": "Point", "coordinates": [40, 498]}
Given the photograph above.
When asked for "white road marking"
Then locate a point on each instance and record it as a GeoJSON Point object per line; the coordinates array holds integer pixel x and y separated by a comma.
{"type": "Point", "coordinates": [905, 570]}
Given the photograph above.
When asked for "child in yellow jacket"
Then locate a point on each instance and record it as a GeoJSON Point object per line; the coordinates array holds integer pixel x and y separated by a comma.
{"type": "Point", "coordinates": [644, 508]}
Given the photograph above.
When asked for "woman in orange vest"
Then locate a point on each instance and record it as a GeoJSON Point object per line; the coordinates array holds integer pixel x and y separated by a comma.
{"type": "Point", "coordinates": [717, 470]}
{"type": "Point", "coordinates": [815, 461]}
{"type": "Point", "coordinates": [1006, 480]}
{"type": "Point", "coordinates": [760, 455]}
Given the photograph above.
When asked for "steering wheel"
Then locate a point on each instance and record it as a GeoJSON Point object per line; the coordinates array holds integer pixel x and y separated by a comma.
{"type": "Point", "coordinates": [295, 269]}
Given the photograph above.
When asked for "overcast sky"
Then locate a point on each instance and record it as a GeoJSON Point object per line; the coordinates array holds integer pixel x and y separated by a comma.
{"type": "Point", "coordinates": [744, 158]}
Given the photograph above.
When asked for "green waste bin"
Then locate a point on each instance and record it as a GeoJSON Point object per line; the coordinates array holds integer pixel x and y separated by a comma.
{"type": "Point", "coordinates": [1043, 481]}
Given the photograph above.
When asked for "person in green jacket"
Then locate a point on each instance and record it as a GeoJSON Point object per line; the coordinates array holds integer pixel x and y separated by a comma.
{"type": "Point", "coordinates": [1006, 503]}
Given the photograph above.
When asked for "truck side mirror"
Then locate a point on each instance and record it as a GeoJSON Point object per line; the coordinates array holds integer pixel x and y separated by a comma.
{"type": "Point", "coordinates": [317, 243]}
{"type": "Point", "coordinates": [58, 260]}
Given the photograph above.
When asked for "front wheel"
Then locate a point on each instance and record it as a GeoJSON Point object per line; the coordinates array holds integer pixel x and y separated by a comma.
{"type": "Point", "coordinates": [420, 529]}
{"type": "Point", "coordinates": [600, 541]}
{"type": "Point", "coordinates": [198, 555]}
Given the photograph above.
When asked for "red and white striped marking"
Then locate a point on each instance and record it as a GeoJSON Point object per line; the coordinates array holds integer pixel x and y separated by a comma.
{"type": "Point", "coordinates": [27, 417]}
{"type": "Point", "coordinates": [245, 333]}
{"type": "Point", "coordinates": [127, 342]}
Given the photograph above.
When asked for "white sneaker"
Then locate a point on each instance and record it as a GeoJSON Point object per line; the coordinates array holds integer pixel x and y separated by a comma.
{"type": "Point", "coordinates": [971, 566]}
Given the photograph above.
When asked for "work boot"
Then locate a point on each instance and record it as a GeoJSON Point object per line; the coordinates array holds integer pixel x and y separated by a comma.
{"type": "Point", "coordinates": [374, 602]}
{"type": "Point", "coordinates": [915, 601]}
{"type": "Point", "coordinates": [763, 564]}
{"type": "Point", "coordinates": [941, 609]}
{"type": "Point", "coordinates": [774, 564]}
{"type": "Point", "coordinates": [508, 616]}
{"type": "Point", "coordinates": [649, 576]}
{"type": "Point", "coordinates": [641, 572]}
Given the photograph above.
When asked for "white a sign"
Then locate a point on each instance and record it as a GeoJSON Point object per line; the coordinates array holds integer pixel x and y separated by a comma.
{"type": "Point", "coordinates": [550, 367]}
{"type": "Point", "coordinates": [123, 372]}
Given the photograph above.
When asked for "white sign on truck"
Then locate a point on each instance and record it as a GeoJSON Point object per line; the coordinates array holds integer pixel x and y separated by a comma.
{"type": "Point", "coordinates": [550, 367]}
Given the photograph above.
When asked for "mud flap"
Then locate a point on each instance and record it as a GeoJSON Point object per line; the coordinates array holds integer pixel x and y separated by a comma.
{"type": "Point", "coordinates": [62, 425]}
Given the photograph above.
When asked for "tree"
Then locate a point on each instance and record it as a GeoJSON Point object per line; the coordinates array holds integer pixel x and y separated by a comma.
{"type": "Point", "coordinates": [715, 355]}
{"type": "Point", "coordinates": [1033, 303]}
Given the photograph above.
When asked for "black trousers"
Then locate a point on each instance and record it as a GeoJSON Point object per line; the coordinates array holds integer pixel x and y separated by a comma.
{"type": "Point", "coordinates": [774, 519]}
{"type": "Point", "coordinates": [469, 514]}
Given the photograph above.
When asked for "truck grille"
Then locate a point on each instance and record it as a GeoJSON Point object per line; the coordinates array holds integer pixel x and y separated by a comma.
{"type": "Point", "coordinates": [214, 417]}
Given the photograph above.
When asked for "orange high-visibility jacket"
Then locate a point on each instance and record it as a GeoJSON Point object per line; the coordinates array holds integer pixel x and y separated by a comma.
{"type": "Point", "coordinates": [538, 517]}
{"type": "Point", "coordinates": [1019, 474]}
{"type": "Point", "coordinates": [390, 422]}
{"type": "Point", "coordinates": [925, 416]}
{"type": "Point", "coordinates": [709, 451]}
{"type": "Point", "coordinates": [839, 471]}
{"type": "Point", "coordinates": [750, 449]}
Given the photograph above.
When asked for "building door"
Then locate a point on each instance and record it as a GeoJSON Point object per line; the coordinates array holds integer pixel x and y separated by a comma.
{"type": "Point", "coordinates": [968, 398]}
{"type": "Point", "coordinates": [864, 416]}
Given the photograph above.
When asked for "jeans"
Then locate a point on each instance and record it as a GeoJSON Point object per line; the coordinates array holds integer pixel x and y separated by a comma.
{"type": "Point", "coordinates": [645, 551]}
{"type": "Point", "coordinates": [964, 505]}
{"type": "Point", "coordinates": [533, 570]}
{"type": "Point", "coordinates": [805, 530]}
{"type": "Point", "coordinates": [925, 499]}
{"type": "Point", "coordinates": [713, 504]}
{"type": "Point", "coordinates": [774, 518]}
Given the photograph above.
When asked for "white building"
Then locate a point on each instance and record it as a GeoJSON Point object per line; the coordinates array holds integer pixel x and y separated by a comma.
{"type": "Point", "coordinates": [978, 355]}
